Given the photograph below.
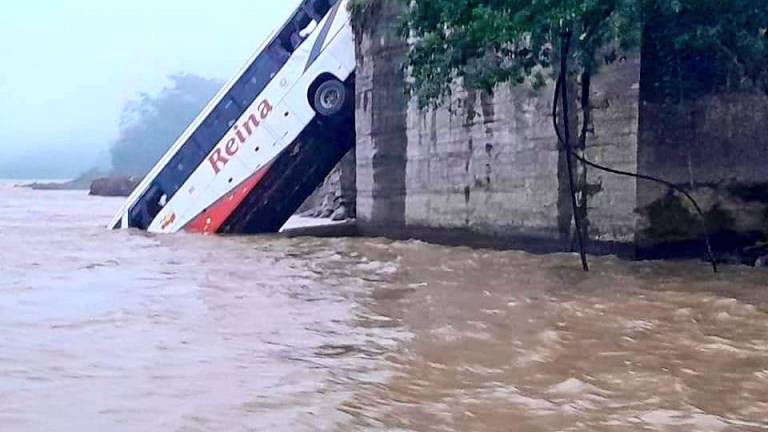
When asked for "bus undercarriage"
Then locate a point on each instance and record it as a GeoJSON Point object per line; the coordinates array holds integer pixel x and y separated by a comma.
{"type": "Point", "coordinates": [296, 173]}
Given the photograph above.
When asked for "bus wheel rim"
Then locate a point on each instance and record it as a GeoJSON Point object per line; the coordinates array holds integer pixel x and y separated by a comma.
{"type": "Point", "coordinates": [330, 98]}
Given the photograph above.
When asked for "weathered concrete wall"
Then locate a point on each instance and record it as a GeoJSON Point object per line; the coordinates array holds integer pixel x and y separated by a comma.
{"type": "Point", "coordinates": [611, 202]}
{"type": "Point", "coordinates": [484, 168]}
{"type": "Point", "coordinates": [491, 165]}
{"type": "Point", "coordinates": [718, 149]}
{"type": "Point", "coordinates": [381, 124]}
{"type": "Point", "coordinates": [487, 168]}
{"type": "Point", "coordinates": [484, 164]}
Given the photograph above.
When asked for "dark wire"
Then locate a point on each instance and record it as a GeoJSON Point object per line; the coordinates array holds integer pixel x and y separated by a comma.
{"type": "Point", "coordinates": [564, 142]}
{"type": "Point", "coordinates": [566, 41]}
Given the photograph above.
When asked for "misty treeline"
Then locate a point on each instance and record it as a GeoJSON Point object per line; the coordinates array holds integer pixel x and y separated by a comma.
{"type": "Point", "coordinates": [151, 124]}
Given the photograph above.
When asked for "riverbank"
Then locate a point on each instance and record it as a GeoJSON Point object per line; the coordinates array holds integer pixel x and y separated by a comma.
{"type": "Point", "coordinates": [97, 183]}
{"type": "Point", "coordinates": [77, 184]}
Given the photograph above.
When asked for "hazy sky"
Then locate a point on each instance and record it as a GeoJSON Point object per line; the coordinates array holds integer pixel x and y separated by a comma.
{"type": "Point", "coordinates": [68, 66]}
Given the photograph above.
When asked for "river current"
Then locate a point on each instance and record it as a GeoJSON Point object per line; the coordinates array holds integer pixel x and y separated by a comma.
{"type": "Point", "coordinates": [123, 331]}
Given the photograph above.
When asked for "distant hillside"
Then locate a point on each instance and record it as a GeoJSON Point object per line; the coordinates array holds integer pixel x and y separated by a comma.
{"type": "Point", "coordinates": [151, 124]}
{"type": "Point", "coordinates": [81, 182]}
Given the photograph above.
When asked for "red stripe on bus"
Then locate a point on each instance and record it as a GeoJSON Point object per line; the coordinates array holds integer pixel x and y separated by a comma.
{"type": "Point", "coordinates": [212, 218]}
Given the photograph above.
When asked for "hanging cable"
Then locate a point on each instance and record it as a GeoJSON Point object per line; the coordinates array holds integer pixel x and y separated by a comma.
{"type": "Point", "coordinates": [564, 139]}
{"type": "Point", "coordinates": [566, 41]}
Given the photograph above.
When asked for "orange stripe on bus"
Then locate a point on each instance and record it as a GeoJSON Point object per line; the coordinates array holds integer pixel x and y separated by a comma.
{"type": "Point", "coordinates": [211, 219]}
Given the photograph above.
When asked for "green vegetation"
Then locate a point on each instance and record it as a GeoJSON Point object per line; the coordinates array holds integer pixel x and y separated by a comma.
{"type": "Point", "coordinates": [700, 46]}
{"type": "Point", "coordinates": [362, 11]}
{"type": "Point", "coordinates": [670, 221]}
{"type": "Point", "coordinates": [486, 43]}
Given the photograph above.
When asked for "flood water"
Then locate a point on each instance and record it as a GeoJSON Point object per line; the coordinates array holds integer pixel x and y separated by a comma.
{"type": "Point", "coordinates": [122, 331]}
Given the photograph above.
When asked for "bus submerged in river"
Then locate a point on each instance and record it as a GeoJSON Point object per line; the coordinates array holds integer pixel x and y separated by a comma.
{"type": "Point", "coordinates": [265, 141]}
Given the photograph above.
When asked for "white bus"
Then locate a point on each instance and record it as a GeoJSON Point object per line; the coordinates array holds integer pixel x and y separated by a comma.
{"type": "Point", "coordinates": [265, 141]}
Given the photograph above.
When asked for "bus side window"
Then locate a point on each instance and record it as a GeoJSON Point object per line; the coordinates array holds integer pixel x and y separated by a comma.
{"type": "Point", "coordinates": [320, 8]}
{"type": "Point", "coordinates": [306, 31]}
{"type": "Point", "coordinates": [301, 26]}
{"type": "Point", "coordinates": [238, 92]}
{"type": "Point", "coordinates": [279, 52]}
{"type": "Point", "coordinates": [180, 168]}
{"type": "Point", "coordinates": [261, 72]}
{"type": "Point", "coordinates": [296, 40]}
{"type": "Point", "coordinates": [196, 152]}
{"type": "Point", "coordinates": [205, 145]}
{"type": "Point", "coordinates": [215, 126]}
{"type": "Point", "coordinates": [147, 208]}
{"type": "Point", "coordinates": [230, 111]}
{"type": "Point", "coordinates": [301, 20]}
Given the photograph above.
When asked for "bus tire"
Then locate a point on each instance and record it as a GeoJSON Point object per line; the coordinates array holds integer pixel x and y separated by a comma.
{"type": "Point", "coordinates": [330, 98]}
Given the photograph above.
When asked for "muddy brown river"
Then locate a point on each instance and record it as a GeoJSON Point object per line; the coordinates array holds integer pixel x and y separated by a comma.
{"type": "Point", "coordinates": [122, 331]}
